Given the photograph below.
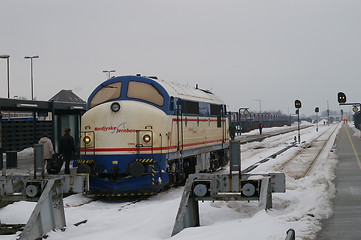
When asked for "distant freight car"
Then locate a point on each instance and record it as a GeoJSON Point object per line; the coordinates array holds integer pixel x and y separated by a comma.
{"type": "Point", "coordinates": [140, 134]}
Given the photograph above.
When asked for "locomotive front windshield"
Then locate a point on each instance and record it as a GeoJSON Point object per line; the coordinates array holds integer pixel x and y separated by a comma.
{"type": "Point", "coordinates": [108, 92]}
{"type": "Point", "coordinates": [135, 90]}
{"type": "Point", "coordinates": [146, 92]}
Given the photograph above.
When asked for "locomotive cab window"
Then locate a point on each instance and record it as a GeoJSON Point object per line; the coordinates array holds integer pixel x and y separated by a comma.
{"type": "Point", "coordinates": [171, 104]}
{"type": "Point", "coordinates": [146, 92]}
{"type": "Point", "coordinates": [108, 92]}
{"type": "Point", "coordinates": [216, 110]}
{"type": "Point", "coordinates": [190, 107]}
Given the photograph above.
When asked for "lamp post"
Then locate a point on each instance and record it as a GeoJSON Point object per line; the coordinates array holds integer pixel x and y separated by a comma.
{"type": "Point", "coordinates": [260, 108]}
{"type": "Point", "coordinates": [110, 71]}
{"type": "Point", "coordinates": [8, 67]}
{"type": "Point", "coordinates": [245, 112]}
{"type": "Point", "coordinates": [260, 104]}
{"type": "Point", "coordinates": [32, 75]}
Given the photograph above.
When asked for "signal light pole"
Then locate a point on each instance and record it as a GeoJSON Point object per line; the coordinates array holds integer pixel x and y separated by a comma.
{"type": "Point", "coordinates": [341, 98]}
{"type": "Point", "coordinates": [317, 109]}
{"type": "Point", "coordinates": [298, 106]}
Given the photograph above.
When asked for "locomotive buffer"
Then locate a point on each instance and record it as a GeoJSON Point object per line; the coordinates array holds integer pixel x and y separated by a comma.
{"type": "Point", "coordinates": [226, 187]}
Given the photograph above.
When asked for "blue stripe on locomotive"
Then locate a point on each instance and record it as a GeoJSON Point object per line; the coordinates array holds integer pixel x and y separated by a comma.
{"type": "Point", "coordinates": [140, 185]}
{"type": "Point", "coordinates": [124, 160]}
{"type": "Point", "coordinates": [144, 184]}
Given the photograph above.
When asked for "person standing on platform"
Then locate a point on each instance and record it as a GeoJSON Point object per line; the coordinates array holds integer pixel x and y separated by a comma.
{"type": "Point", "coordinates": [260, 128]}
{"type": "Point", "coordinates": [67, 148]}
{"type": "Point", "coordinates": [48, 148]}
{"type": "Point", "coordinates": [232, 131]}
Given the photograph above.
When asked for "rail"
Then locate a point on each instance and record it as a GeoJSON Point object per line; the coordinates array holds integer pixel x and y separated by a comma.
{"type": "Point", "coordinates": [299, 159]}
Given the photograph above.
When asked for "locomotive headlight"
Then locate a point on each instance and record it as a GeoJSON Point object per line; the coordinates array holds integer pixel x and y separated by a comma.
{"type": "Point", "coordinates": [86, 139]}
{"type": "Point", "coordinates": [115, 107]}
{"type": "Point", "coordinates": [146, 138]}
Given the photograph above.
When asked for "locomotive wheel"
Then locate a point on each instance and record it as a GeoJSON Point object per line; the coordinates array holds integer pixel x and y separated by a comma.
{"type": "Point", "coordinates": [84, 168]}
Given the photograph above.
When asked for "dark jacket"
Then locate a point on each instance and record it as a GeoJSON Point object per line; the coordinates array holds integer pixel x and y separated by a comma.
{"type": "Point", "coordinates": [67, 146]}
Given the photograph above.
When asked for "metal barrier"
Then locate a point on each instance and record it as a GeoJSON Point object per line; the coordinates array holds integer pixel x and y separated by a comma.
{"type": "Point", "coordinates": [48, 213]}
{"type": "Point", "coordinates": [16, 188]}
{"type": "Point", "coordinates": [226, 187]}
{"type": "Point", "coordinates": [291, 234]}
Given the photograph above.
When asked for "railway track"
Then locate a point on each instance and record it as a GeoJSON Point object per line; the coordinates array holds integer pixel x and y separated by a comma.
{"type": "Point", "coordinates": [258, 138]}
{"type": "Point", "coordinates": [303, 161]}
{"type": "Point", "coordinates": [279, 142]}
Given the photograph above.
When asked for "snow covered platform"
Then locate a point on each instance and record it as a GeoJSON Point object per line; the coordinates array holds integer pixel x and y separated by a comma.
{"type": "Point", "coordinates": [346, 218]}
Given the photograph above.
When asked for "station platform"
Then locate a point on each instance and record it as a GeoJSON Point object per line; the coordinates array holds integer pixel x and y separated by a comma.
{"type": "Point", "coordinates": [345, 222]}
{"type": "Point", "coordinates": [25, 165]}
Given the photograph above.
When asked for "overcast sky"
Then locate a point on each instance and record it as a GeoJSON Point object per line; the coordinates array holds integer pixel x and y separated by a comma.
{"type": "Point", "coordinates": [245, 51]}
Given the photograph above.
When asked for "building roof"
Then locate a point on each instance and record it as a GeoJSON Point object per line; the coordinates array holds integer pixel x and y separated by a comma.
{"type": "Point", "coordinates": [66, 96]}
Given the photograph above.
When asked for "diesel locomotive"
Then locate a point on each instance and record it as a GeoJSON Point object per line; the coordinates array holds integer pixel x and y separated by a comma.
{"type": "Point", "coordinates": [140, 134]}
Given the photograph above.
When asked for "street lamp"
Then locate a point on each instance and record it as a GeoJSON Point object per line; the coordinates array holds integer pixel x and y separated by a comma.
{"type": "Point", "coordinates": [245, 112]}
{"type": "Point", "coordinates": [260, 108]}
{"type": "Point", "coordinates": [110, 71]}
{"type": "Point", "coordinates": [260, 104]}
{"type": "Point", "coordinates": [7, 59]}
{"type": "Point", "coordinates": [32, 75]}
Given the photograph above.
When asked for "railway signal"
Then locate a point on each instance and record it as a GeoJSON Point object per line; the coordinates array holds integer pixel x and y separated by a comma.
{"type": "Point", "coordinates": [341, 97]}
{"type": "Point", "coordinates": [317, 109]}
{"type": "Point", "coordinates": [298, 105]}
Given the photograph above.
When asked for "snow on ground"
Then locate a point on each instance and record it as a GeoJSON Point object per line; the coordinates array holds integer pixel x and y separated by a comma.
{"type": "Point", "coordinates": [304, 204]}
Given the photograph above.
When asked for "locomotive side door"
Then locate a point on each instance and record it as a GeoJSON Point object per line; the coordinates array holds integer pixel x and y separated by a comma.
{"type": "Point", "coordinates": [224, 124]}
{"type": "Point", "coordinates": [179, 126]}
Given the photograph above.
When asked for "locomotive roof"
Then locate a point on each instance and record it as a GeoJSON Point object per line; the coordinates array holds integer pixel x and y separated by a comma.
{"type": "Point", "coordinates": [168, 89]}
{"type": "Point", "coordinates": [190, 93]}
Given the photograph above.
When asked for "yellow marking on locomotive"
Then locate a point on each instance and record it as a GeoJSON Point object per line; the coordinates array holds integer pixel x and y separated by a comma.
{"type": "Point", "coordinates": [123, 195]}
{"type": "Point", "coordinates": [86, 161]}
{"type": "Point", "coordinates": [153, 174]}
{"type": "Point", "coordinates": [144, 160]}
{"type": "Point", "coordinates": [114, 162]}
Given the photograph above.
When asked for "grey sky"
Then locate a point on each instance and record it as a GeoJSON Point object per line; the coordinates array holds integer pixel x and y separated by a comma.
{"type": "Point", "coordinates": [273, 50]}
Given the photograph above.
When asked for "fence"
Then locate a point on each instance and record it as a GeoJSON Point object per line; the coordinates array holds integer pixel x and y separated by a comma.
{"type": "Point", "coordinates": [18, 134]}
